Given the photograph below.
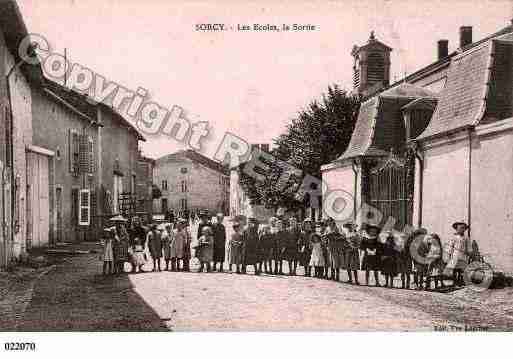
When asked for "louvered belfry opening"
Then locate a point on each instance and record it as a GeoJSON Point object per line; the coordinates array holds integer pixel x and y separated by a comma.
{"type": "Point", "coordinates": [376, 68]}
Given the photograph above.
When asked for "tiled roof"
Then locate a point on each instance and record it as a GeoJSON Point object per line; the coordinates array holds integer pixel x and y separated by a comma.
{"type": "Point", "coordinates": [379, 125]}
{"type": "Point", "coordinates": [461, 102]}
{"type": "Point", "coordinates": [195, 157]}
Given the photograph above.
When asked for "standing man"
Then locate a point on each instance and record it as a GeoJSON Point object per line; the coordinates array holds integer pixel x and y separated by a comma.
{"type": "Point", "coordinates": [219, 232]}
{"type": "Point", "coordinates": [251, 243]}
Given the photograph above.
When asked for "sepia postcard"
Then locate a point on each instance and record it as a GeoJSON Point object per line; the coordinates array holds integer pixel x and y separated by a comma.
{"type": "Point", "coordinates": [255, 166]}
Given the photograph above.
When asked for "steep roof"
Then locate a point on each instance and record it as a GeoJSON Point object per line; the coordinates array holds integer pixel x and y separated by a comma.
{"type": "Point", "coordinates": [195, 157]}
{"type": "Point", "coordinates": [479, 83]}
{"type": "Point", "coordinates": [462, 100]}
{"type": "Point", "coordinates": [379, 125]}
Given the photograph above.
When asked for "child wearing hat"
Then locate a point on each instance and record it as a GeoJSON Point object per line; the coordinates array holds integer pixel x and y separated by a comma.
{"type": "Point", "coordinates": [389, 259]}
{"type": "Point", "coordinates": [458, 250]}
{"type": "Point", "coordinates": [372, 250]}
{"type": "Point", "coordinates": [434, 257]}
{"type": "Point", "coordinates": [352, 254]}
{"type": "Point", "coordinates": [266, 246]}
{"type": "Point", "coordinates": [107, 255]}
{"type": "Point", "coordinates": [155, 246]}
{"type": "Point", "coordinates": [235, 249]}
{"type": "Point", "coordinates": [204, 247]}
{"type": "Point", "coordinates": [291, 243]}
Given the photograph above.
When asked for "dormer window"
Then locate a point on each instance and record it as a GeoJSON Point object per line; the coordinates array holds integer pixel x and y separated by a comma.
{"type": "Point", "coordinates": [416, 116]}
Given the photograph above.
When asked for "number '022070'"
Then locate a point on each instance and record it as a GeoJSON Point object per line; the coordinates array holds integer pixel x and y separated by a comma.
{"type": "Point", "coordinates": [19, 346]}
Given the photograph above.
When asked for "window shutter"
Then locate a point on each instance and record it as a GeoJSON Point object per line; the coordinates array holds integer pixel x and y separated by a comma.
{"type": "Point", "coordinates": [92, 167]}
{"type": "Point", "coordinates": [84, 212]}
{"type": "Point", "coordinates": [74, 152]}
{"type": "Point", "coordinates": [84, 154]}
{"type": "Point", "coordinates": [74, 206]}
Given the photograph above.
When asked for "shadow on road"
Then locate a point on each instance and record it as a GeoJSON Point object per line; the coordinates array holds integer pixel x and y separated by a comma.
{"type": "Point", "coordinates": [75, 297]}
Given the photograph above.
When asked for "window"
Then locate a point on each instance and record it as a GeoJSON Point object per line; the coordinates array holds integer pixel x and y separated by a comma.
{"type": "Point", "coordinates": [163, 205]}
{"type": "Point", "coordinates": [183, 170]}
{"type": "Point", "coordinates": [183, 204]}
{"type": "Point", "coordinates": [84, 217]}
{"type": "Point", "coordinates": [164, 185]}
{"type": "Point", "coordinates": [74, 152]}
{"type": "Point", "coordinates": [118, 189]}
{"type": "Point", "coordinates": [74, 206]}
{"type": "Point", "coordinates": [184, 186]}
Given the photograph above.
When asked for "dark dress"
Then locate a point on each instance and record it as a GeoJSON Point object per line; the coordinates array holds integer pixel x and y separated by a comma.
{"type": "Point", "coordinates": [155, 244]}
{"type": "Point", "coordinates": [279, 245]}
{"type": "Point", "coordinates": [371, 261]}
{"type": "Point", "coordinates": [136, 232]}
{"type": "Point", "coordinates": [389, 259]}
{"type": "Point", "coordinates": [219, 232]}
{"type": "Point", "coordinates": [251, 246]}
{"type": "Point", "coordinates": [304, 248]}
{"type": "Point", "coordinates": [404, 260]}
{"type": "Point", "coordinates": [266, 246]}
{"type": "Point", "coordinates": [291, 240]}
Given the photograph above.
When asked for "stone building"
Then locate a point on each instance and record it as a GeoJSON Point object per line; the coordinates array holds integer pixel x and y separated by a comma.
{"type": "Point", "coordinates": [144, 186]}
{"type": "Point", "coordinates": [16, 147]}
{"type": "Point", "coordinates": [190, 181]}
{"type": "Point", "coordinates": [436, 146]}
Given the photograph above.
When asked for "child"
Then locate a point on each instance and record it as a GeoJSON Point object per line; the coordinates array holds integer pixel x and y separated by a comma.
{"type": "Point", "coordinates": [120, 248]}
{"type": "Point", "coordinates": [205, 249]}
{"type": "Point", "coordinates": [434, 257]}
{"type": "Point", "coordinates": [138, 255]}
{"type": "Point", "coordinates": [290, 243]}
{"type": "Point", "coordinates": [279, 247]}
{"type": "Point", "coordinates": [317, 258]}
{"type": "Point", "coordinates": [351, 254]}
{"type": "Point", "coordinates": [165, 238]}
{"type": "Point", "coordinates": [155, 246]}
{"type": "Point", "coordinates": [304, 252]}
{"type": "Point", "coordinates": [107, 255]}
{"type": "Point", "coordinates": [458, 250]}
{"type": "Point", "coordinates": [372, 250]}
{"type": "Point", "coordinates": [335, 243]}
{"type": "Point", "coordinates": [419, 249]}
{"type": "Point", "coordinates": [389, 260]}
{"type": "Point", "coordinates": [266, 244]}
{"type": "Point", "coordinates": [404, 261]}
{"type": "Point", "coordinates": [235, 246]}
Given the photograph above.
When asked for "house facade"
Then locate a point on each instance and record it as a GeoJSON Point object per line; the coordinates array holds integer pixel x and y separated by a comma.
{"type": "Point", "coordinates": [190, 181]}
{"type": "Point", "coordinates": [144, 186]}
{"type": "Point", "coordinates": [16, 148]}
{"type": "Point", "coordinates": [435, 147]}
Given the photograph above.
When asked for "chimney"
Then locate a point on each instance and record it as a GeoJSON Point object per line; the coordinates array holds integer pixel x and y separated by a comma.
{"type": "Point", "coordinates": [465, 36]}
{"type": "Point", "coordinates": [443, 49]}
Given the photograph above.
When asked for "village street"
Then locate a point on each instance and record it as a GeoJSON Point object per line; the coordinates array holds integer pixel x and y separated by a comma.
{"type": "Point", "coordinates": [74, 296]}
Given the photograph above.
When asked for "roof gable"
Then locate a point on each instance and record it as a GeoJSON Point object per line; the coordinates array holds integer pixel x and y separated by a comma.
{"type": "Point", "coordinates": [196, 157]}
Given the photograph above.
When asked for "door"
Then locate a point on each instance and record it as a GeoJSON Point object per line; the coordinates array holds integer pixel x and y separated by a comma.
{"type": "Point", "coordinates": [391, 190]}
{"type": "Point", "coordinates": [38, 205]}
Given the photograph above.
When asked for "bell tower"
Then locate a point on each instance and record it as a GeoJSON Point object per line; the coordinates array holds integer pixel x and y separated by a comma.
{"type": "Point", "coordinates": [371, 69]}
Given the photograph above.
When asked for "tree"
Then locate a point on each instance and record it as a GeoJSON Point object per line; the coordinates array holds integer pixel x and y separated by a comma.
{"type": "Point", "coordinates": [318, 135]}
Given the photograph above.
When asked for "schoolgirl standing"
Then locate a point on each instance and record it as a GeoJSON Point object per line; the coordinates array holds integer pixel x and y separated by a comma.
{"type": "Point", "coordinates": [372, 250]}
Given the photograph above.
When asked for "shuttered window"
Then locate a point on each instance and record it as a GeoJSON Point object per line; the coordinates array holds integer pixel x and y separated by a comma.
{"type": "Point", "coordinates": [74, 206]}
{"type": "Point", "coordinates": [74, 152]}
{"type": "Point", "coordinates": [84, 218]}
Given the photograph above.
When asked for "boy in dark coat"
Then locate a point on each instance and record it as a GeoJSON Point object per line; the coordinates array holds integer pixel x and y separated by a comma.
{"type": "Point", "coordinates": [251, 246]}
{"type": "Point", "coordinates": [219, 242]}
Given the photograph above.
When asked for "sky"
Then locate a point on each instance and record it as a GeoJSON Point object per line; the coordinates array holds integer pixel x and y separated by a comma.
{"type": "Point", "coordinates": [248, 83]}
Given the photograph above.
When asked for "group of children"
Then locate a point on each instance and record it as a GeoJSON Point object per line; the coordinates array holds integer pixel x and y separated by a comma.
{"type": "Point", "coordinates": [327, 249]}
{"type": "Point", "coordinates": [322, 250]}
{"type": "Point", "coordinates": [131, 246]}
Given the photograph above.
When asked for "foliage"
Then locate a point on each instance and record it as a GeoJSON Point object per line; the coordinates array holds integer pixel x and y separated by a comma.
{"type": "Point", "coordinates": [318, 135]}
